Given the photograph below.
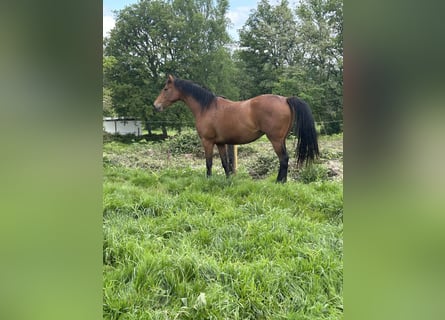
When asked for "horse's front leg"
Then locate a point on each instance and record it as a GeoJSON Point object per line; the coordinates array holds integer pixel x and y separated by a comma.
{"type": "Point", "coordinates": [208, 152]}
{"type": "Point", "coordinates": [224, 158]}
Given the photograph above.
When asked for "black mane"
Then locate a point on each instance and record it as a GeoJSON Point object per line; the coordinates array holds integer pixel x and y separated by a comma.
{"type": "Point", "coordinates": [203, 96]}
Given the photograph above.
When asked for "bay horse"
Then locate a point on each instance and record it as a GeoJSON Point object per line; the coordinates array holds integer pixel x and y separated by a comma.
{"type": "Point", "coordinates": [224, 122]}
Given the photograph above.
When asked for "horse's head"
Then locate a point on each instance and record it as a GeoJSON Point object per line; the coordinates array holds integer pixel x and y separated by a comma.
{"type": "Point", "coordinates": [169, 95]}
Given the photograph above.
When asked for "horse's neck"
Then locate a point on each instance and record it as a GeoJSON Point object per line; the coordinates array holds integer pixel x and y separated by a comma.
{"type": "Point", "coordinates": [193, 105]}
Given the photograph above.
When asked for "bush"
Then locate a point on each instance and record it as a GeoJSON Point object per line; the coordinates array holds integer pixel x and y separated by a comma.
{"type": "Point", "coordinates": [311, 173]}
{"type": "Point", "coordinates": [330, 128]}
{"type": "Point", "coordinates": [264, 164]}
{"type": "Point", "coordinates": [124, 138]}
{"type": "Point", "coordinates": [330, 154]}
{"type": "Point", "coordinates": [186, 142]}
{"type": "Point", "coordinates": [107, 137]}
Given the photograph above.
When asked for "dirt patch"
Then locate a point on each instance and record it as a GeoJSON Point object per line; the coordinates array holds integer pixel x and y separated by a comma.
{"type": "Point", "coordinates": [331, 155]}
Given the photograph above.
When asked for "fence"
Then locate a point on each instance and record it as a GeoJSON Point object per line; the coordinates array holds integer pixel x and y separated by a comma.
{"type": "Point", "coordinates": [188, 124]}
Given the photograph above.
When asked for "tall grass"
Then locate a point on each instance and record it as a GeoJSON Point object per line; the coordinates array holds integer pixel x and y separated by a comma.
{"type": "Point", "coordinates": [180, 246]}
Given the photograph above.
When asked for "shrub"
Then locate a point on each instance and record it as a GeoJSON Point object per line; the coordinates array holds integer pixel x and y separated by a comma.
{"type": "Point", "coordinates": [186, 142]}
{"type": "Point", "coordinates": [330, 128]}
{"type": "Point", "coordinates": [107, 137]}
{"type": "Point", "coordinates": [330, 154]}
{"type": "Point", "coordinates": [312, 173]}
{"type": "Point", "coordinates": [263, 165]}
{"type": "Point", "coordinates": [124, 138]}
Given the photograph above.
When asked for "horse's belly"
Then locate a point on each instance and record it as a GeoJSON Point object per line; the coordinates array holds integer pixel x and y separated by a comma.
{"type": "Point", "coordinates": [238, 137]}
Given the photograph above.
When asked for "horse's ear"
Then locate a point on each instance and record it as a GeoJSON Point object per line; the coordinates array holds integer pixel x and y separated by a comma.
{"type": "Point", "coordinates": [170, 78]}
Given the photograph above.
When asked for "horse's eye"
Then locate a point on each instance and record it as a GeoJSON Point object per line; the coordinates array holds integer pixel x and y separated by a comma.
{"type": "Point", "coordinates": [165, 89]}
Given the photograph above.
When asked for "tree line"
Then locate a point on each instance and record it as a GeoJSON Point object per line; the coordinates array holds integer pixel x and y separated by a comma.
{"type": "Point", "coordinates": [291, 51]}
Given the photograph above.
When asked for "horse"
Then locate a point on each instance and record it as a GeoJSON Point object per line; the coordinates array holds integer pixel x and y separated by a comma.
{"type": "Point", "coordinates": [221, 122]}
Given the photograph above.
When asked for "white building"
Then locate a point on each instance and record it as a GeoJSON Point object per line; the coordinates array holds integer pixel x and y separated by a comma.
{"type": "Point", "coordinates": [122, 126]}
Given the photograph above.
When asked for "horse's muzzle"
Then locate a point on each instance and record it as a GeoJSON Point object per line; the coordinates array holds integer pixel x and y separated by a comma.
{"type": "Point", "coordinates": [158, 107]}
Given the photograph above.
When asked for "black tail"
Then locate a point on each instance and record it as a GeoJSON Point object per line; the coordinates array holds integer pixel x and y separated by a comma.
{"type": "Point", "coordinates": [304, 129]}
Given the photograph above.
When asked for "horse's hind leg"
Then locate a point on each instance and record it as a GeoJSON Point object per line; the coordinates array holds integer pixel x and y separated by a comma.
{"type": "Point", "coordinates": [280, 150]}
{"type": "Point", "coordinates": [224, 158]}
{"type": "Point", "coordinates": [231, 156]}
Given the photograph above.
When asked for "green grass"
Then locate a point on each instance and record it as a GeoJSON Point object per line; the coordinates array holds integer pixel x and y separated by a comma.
{"type": "Point", "coordinates": [180, 246]}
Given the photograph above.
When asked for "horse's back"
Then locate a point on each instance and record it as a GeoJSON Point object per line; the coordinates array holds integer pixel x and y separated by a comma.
{"type": "Point", "coordinates": [272, 113]}
{"type": "Point", "coordinates": [269, 102]}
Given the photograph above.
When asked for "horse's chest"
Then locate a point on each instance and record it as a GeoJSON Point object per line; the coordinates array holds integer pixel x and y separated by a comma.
{"type": "Point", "coordinates": [206, 130]}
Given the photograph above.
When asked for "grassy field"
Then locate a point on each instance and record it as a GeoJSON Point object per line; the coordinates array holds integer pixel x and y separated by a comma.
{"type": "Point", "coordinates": [180, 246]}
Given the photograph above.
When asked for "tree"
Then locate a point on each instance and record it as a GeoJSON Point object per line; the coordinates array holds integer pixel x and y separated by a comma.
{"type": "Point", "coordinates": [267, 42]}
{"type": "Point", "coordinates": [320, 27]}
{"type": "Point", "coordinates": [296, 54]}
{"type": "Point", "coordinates": [107, 92]}
{"type": "Point", "coordinates": [153, 38]}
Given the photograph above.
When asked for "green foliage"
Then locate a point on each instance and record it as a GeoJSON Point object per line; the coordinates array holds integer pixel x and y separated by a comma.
{"type": "Point", "coordinates": [267, 41]}
{"type": "Point", "coordinates": [107, 105]}
{"type": "Point", "coordinates": [124, 138]}
{"type": "Point", "coordinates": [185, 143]}
{"type": "Point", "coordinates": [321, 30]}
{"type": "Point", "coordinates": [296, 55]}
{"type": "Point", "coordinates": [311, 173]}
{"type": "Point", "coordinates": [263, 165]}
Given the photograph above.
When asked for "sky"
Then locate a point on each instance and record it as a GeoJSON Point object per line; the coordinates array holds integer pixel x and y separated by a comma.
{"type": "Point", "coordinates": [238, 13]}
